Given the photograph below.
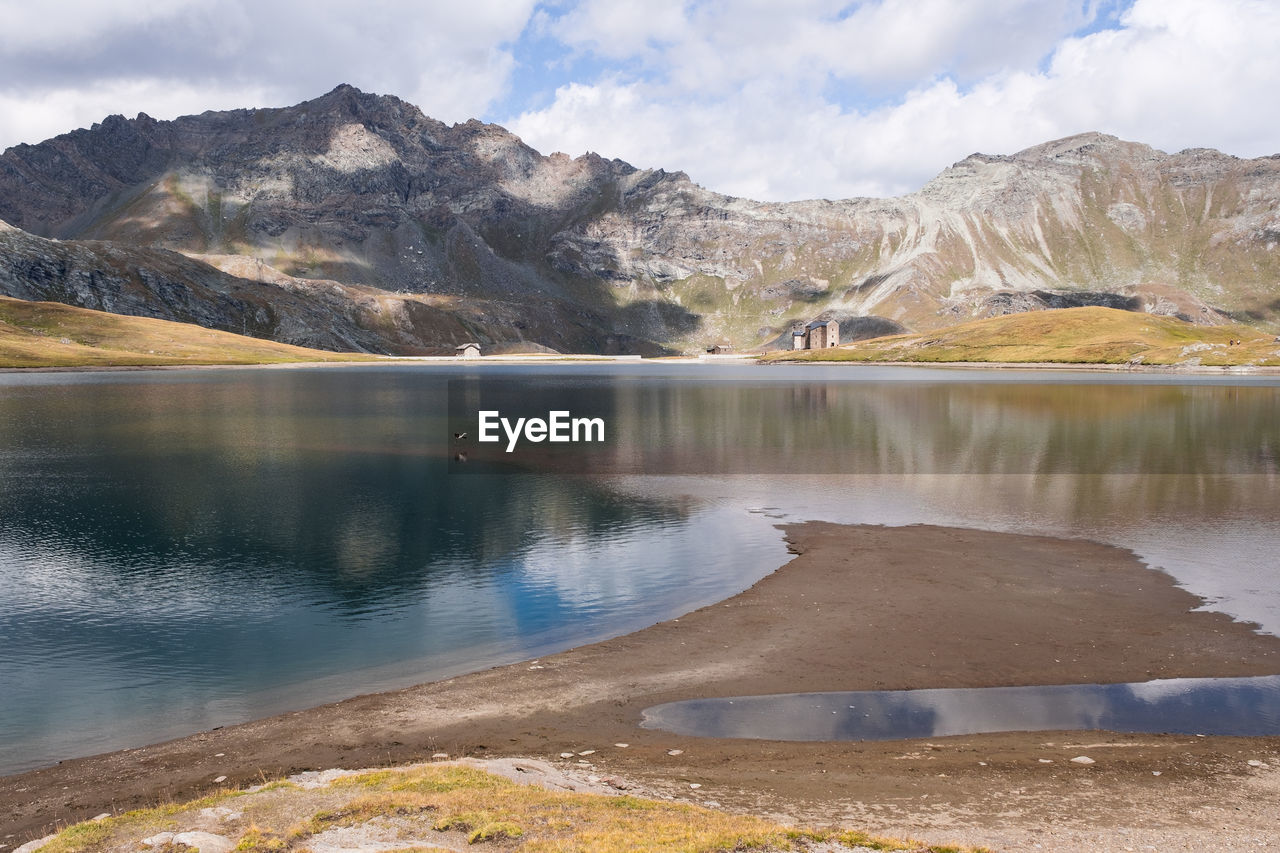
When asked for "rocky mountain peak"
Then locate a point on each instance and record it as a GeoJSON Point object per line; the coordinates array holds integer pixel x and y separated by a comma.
{"type": "Point", "coordinates": [1081, 144]}
{"type": "Point", "coordinates": [349, 103]}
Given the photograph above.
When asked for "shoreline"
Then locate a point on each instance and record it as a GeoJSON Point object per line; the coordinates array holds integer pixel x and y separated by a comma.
{"type": "Point", "coordinates": [737, 360]}
{"type": "Point", "coordinates": [1103, 367]}
{"type": "Point", "coordinates": [858, 607]}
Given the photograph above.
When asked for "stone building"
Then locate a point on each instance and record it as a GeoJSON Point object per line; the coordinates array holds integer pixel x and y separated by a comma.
{"type": "Point", "coordinates": [817, 335]}
{"type": "Point", "coordinates": [468, 350]}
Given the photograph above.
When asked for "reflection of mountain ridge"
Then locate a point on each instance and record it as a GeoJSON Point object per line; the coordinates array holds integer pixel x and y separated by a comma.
{"type": "Point", "coordinates": [355, 498]}
{"type": "Point", "coordinates": [819, 427]}
{"type": "Point", "coordinates": [174, 545]}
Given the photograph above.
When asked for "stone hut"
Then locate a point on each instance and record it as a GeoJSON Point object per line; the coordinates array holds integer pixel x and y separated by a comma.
{"type": "Point", "coordinates": [820, 335]}
{"type": "Point", "coordinates": [469, 350]}
{"type": "Point", "coordinates": [799, 339]}
{"type": "Point", "coordinates": [719, 349]}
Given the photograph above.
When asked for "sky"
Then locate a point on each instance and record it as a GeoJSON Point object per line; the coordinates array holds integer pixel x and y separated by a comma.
{"type": "Point", "coordinates": [770, 99]}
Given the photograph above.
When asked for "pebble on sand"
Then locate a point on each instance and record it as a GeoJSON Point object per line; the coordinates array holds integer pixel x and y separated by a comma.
{"type": "Point", "coordinates": [1082, 759]}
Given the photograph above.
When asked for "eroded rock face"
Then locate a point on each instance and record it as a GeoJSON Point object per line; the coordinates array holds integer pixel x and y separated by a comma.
{"type": "Point", "coordinates": [367, 192]}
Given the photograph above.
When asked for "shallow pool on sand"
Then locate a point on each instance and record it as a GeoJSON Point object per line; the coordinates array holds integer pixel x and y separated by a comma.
{"type": "Point", "coordinates": [1210, 706]}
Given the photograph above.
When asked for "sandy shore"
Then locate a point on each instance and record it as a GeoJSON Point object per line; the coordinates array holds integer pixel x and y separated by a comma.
{"type": "Point", "coordinates": [860, 607]}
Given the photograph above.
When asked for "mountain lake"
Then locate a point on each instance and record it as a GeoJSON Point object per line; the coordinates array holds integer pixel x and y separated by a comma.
{"type": "Point", "coordinates": [185, 549]}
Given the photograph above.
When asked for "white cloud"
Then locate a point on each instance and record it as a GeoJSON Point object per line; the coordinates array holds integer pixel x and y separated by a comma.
{"type": "Point", "coordinates": [812, 98]}
{"type": "Point", "coordinates": [73, 62]}
{"type": "Point", "coordinates": [907, 40]}
{"type": "Point", "coordinates": [623, 30]}
{"type": "Point", "coordinates": [57, 110]}
{"type": "Point", "coordinates": [722, 44]}
{"type": "Point", "coordinates": [1177, 73]}
{"type": "Point", "coordinates": [66, 24]}
{"type": "Point", "coordinates": [1181, 73]}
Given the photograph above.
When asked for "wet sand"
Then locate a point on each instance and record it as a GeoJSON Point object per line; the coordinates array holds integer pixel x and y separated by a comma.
{"type": "Point", "coordinates": [858, 608]}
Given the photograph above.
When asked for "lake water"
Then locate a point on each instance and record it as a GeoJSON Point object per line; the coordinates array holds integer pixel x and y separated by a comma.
{"type": "Point", "coordinates": [1244, 707]}
{"type": "Point", "coordinates": [186, 549]}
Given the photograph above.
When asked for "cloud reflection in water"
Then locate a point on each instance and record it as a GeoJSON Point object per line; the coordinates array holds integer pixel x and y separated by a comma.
{"type": "Point", "coordinates": [1220, 706]}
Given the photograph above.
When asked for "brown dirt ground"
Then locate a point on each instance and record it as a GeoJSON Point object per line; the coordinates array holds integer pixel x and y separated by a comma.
{"type": "Point", "coordinates": [860, 607]}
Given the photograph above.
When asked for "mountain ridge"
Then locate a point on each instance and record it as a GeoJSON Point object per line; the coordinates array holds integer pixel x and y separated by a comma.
{"type": "Point", "coordinates": [367, 192]}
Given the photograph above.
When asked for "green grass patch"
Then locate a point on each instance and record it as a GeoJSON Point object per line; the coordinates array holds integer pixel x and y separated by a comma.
{"type": "Point", "coordinates": [257, 841]}
{"type": "Point", "coordinates": [495, 831]}
{"type": "Point", "coordinates": [82, 836]}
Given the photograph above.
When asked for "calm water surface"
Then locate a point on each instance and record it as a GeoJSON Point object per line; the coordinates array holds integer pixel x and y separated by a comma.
{"type": "Point", "coordinates": [1243, 707]}
{"type": "Point", "coordinates": [185, 549]}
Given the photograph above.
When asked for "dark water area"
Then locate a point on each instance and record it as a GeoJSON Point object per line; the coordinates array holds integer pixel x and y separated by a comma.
{"type": "Point", "coordinates": [186, 549]}
{"type": "Point", "coordinates": [1208, 706]}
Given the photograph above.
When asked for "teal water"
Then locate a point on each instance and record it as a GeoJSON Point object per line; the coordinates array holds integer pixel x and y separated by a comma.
{"type": "Point", "coordinates": [186, 549]}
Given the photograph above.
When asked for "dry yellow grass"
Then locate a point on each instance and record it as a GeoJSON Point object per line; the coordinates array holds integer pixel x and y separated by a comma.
{"type": "Point", "coordinates": [1072, 335]}
{"type": "Point", "coordinates": [452, 804]}
{"type": "Point", "coordinates": [50, 334]}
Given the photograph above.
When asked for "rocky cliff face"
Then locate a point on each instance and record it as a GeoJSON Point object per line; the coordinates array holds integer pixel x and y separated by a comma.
{"type": "Point", "coordinates": [364, 195]}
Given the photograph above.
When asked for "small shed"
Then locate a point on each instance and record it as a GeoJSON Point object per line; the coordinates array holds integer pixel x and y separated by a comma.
{"type": "Point", "coordinates": [799, 339]}
{"type": "Point", "coordinates": [469, 350]}
{"type": "Point", "coordinates": [719, 349]}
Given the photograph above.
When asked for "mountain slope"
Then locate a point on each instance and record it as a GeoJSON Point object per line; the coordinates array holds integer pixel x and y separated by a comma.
{"type": "Point", "coordinates": [49, 334]}
{"type": "Point", "coordinates": [240, 294]}
{"type": "Point", "coordinates": [367, 191]}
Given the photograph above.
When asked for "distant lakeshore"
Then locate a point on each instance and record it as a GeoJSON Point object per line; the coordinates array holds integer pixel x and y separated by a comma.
{"type": "Point", "coordinates": [1225, 370]}
{"type": "Point", "coordinates": [51, 335]}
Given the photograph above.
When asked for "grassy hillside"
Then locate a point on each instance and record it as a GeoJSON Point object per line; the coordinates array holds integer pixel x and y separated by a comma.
{"type": "Point", "coordinates": [50, 334]}
{"type": "Point", "coordinates": [1072, 335]}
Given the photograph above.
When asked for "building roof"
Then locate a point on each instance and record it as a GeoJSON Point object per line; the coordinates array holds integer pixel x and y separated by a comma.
{"type": "Point", "coordinates": [820, 323]}
{"type": "Point", "coordinates": [464, 346]}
